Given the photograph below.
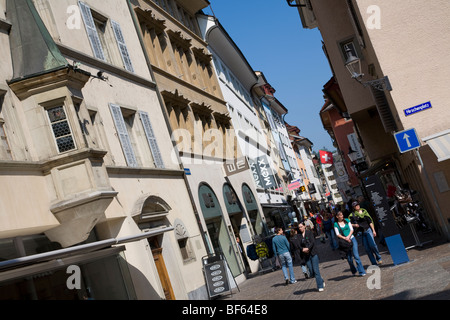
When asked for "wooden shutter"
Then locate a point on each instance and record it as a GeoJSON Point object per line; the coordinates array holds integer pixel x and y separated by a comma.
{"type": "Point", "coordinates": [91, 31]}
{"type": "Point", "coordinates": [122, 46]}
{"type": "Point", "coordinates": [123, 135]}
{"type": "Point", "coordinates": [151, 139]}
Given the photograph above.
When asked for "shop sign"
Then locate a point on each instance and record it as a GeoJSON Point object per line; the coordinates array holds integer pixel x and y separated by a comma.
{"type": "Point", "coordinates": [235, 166]}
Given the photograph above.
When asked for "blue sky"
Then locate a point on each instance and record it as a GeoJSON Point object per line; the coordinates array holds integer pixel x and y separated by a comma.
{"type": "Point", "coordinates": [270, 35]}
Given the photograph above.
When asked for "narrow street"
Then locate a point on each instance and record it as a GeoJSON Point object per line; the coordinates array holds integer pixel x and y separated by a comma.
{"type": "Point", "coordinates": [426, 276]}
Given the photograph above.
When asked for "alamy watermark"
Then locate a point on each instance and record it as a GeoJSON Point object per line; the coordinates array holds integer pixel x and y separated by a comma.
{"type": "Point", "coordinates": [374, 281]}
{"type": "Point", "coordinates": [74, 280]}
{"type": "Point", "coordinates": [374, 20]}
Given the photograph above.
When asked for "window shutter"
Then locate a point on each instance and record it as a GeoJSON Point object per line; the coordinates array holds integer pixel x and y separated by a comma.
{"type": "Point", "coordinates": [123, 135]}
{"type": "Point", "coordinates": [151, 139]}
{"type": "Point", "coordinates": [91, 31]}
{"type": "Point", "coordinates": [122, 46]}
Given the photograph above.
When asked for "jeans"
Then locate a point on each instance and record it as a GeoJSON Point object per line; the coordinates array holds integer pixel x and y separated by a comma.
{"type": "Point", "coordinates": [286, 263]}
{"type": "Point", "coordinates": [305, 270]}
{"type": "Point", "coordinates": [370, 246]}
{"type": "Point", "coordinates": [313, 265]}
{"type": "Point", "coordinates": [355, 254]}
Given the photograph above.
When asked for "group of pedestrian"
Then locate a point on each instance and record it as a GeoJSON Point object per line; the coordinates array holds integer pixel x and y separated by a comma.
{"type": "Point", "coordinates": [342, 233]}
{"type": "Point", "coordinates": [301, 245]}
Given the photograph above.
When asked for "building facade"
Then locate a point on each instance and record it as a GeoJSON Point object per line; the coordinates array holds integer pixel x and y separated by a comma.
{"type": "Point", "coordinates": [201, 128]}
{"type": "Point", "coordinates": [85, 142]}
{"type": "Point", "coordinates": [236, 79]}
{"type": "Point", "coordinates": [393, 92]}
{"type": "Point", "coordinates": [276, 201]}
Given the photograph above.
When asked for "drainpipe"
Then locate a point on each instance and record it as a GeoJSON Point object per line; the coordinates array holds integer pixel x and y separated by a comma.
{"type": "Point", "coordinates": [169, 127]}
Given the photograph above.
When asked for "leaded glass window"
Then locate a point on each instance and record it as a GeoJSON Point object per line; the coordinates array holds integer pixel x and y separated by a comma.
{"type": "Point", "coordinates": [61, 129]}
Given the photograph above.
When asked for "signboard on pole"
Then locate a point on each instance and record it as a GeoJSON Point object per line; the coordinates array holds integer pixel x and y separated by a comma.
{"type": "Point", "coordinates": [407, 140]}
{"type": "Point", "coordinates": [262, 172]}
{"type": "Point", "coordinates": [386, 220]}
{"type": "Point", "coordinates": [379, 201]}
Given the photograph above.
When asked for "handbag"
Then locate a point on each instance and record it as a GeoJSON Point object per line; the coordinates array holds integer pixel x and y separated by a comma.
{"type": "Point", "coordinates": [344, 246]}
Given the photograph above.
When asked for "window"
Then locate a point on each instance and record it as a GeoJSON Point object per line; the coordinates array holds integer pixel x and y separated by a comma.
{"type": "Point", "coordinates": [5, 150]}
{"type": "Point", "coordinates": [349, 47]}
{"type": "Point", "coordinates": [91, 29]}
{"type": "Point", "coordinates": [124, 120]}
{"type": "Point", "coordinates": [122, 46]}
{"type": "Point", "coordinates": [61, 129]}
{"type": "Point", "coordinates": [123, 135]}
{"type": "Point", "coordinates": [100, 39]}
{"type": "Point", "coordinates": [151, 138]}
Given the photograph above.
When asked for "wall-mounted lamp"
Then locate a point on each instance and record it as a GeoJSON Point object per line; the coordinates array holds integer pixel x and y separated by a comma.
{"type": "Point", "coordinates": [353, 65]}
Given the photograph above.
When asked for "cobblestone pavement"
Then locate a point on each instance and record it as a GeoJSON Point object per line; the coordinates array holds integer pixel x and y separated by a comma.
{"type": "Point", "coordinates": [425, 276]}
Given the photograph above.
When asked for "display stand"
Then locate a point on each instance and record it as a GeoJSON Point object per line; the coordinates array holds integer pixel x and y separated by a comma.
{"type": "Point", "coordinates": [215, 270]}
{"type": "Point", "coordinates": [416, 237]}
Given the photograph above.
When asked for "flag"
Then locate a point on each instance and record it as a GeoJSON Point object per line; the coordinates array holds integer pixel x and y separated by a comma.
{"type": "Point", "coordinates": [326, 157]}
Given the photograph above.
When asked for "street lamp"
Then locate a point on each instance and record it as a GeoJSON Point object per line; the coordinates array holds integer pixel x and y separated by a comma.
{"type": "Point", "coordinates": [353, 65]}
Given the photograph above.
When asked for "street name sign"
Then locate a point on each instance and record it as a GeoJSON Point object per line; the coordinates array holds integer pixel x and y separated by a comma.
{"type": "Point", "coordinates": [407, 140]}
{"type": "Point", "coordinates": [421, 107]}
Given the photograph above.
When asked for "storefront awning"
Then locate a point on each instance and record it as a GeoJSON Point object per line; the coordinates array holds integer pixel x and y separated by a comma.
{"type": "Point", "coordinates": [47, 261]}
{"type": "Point", "coordinates": [274, 205]}
{"type": "Point", "coordinates": [440, 144]}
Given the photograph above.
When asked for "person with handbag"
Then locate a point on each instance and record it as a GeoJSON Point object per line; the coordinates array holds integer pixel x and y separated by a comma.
{"type": "Point", "coordinates": [309, 252]}
{"type": "Point", "coordinates": [296, 251]}
{"type": "Point", "coordinates": [362, 223]}
{"type": "Point", "coordinates": [348, 245]}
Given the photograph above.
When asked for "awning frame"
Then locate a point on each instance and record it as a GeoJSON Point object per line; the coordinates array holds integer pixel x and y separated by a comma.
{"type": "Point", "coordinates": [57, 258]}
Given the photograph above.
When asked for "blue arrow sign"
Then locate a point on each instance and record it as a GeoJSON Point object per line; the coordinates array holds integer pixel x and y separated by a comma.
{"type": "Point", "coordinates": [407, 140]}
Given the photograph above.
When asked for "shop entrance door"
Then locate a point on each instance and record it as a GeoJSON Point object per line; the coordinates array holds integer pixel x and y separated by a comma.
{"type": "Point", "coordinates": [161, 268]}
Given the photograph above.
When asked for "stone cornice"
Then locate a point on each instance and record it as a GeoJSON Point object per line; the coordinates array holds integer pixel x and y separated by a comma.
{"type": "Point", "coordinates": [45, 166]}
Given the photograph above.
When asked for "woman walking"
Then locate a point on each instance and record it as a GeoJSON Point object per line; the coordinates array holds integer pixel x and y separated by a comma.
{"type": "Point", "coordinates": [309, 252]}
{"type": "Point", "coordinates": [328, 229]}
{"type": "Point", "coordinates": [362, 222]}
{"type": "Point", "coordinates": [344, 231]}
{"type": "Point", "coordinates": [296, 251]}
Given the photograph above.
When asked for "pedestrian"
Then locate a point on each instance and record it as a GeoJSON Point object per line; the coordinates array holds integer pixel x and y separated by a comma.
{"type": "Point", "coordinates": [308, 223]}
{"type": "Point", "coordinates": [296, 252]}
{"type": "Point", "coordinates": [319, 227]}
{"type": "Point", "coordinates": [328, 229]}
{"type": "Point", "coordinates": [362, 223]}
{"type": "Point", "coordinates": [344, 232]}
{"type": "Point", "coordinates": [281, 248]}
{"type": "Point", "coordinates": [310, 255]}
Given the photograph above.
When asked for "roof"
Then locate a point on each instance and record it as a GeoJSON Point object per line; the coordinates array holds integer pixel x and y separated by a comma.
{"type": "Point", "coordinates": [33, 50]}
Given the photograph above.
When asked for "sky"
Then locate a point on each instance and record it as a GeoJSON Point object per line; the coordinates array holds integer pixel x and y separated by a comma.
{"type": "Point", "coordinates": [270, 35]}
